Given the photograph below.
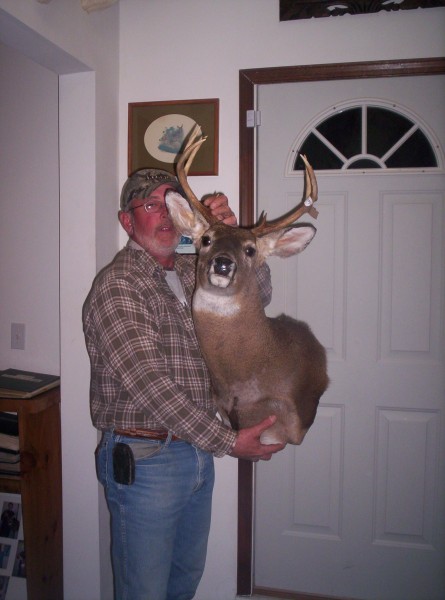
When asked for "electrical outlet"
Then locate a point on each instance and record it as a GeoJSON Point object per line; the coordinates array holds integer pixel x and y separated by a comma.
{"type": "Point", "coordinates": [18, 336]}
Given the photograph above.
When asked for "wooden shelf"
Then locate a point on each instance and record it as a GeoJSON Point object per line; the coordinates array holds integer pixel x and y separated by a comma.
{"type": "Point", "coordinates": [40, 486]}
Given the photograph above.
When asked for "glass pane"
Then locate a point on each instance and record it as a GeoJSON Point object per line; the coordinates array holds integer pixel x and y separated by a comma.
{"type": "Point", "coordinates": [344, 131]}
{"type": "Point", "coordinates": [318, 155]}
{"type": "Point", "coordinates": [416, 152]}
{"type": "Point", "coordinates": [364, 163]}
{"type": "Point", "coordinates": [385, 128]}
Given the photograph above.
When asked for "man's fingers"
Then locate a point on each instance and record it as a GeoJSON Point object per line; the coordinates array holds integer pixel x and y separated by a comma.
{"type": "Point", "coordinates": [216, 199]}
{"type": "Point", "coordinates": [248, 444]}
{"type": "Point", "coordinates": [266, 457]}
{"type": "Point", "coordinates": [219, 206]}
{"type": "Point", "coordinates": [268, 422]}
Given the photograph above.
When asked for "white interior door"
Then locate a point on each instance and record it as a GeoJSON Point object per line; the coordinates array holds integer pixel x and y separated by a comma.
{"type": "Point", "coordinates": [357, 511]}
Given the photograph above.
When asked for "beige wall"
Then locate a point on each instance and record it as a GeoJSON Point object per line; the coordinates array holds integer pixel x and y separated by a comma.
{"type": "Point", "coordinates": [162, 49]}
{"type": "Point", "coordinates": [80, 52]}
{"type": "Point", "coordinates": [29, 212]}
{"type": "Point", "coordinates": [172, 50]}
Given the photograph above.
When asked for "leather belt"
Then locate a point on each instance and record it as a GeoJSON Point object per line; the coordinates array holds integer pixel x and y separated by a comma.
{"type": "Point", "coordinates": [151, 434]}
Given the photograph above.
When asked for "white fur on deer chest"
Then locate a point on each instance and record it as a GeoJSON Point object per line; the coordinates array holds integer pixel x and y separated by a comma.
{"type": "Point", "coordinates": [205, 301]}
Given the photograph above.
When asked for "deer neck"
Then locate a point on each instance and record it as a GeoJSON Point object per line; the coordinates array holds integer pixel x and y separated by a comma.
{"type": "Point", "coordinates": [224, 323]}
{"type": "Point", "coordinates": [245, 306]}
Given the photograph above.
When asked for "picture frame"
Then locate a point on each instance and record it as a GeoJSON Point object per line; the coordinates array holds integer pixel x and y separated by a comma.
{"type": "Point", "coordinates": [186, 246]}
{"type": "Point", "coordinates": [306, 9]}
{"type": "Point", "coordinates": [11, 526]}
{"type": "Point", "coordinates": [7, 548]}
{"type": "Point", "coordinates": [157, 131]}
{"type": "Point", "coordinates": [12, 548]}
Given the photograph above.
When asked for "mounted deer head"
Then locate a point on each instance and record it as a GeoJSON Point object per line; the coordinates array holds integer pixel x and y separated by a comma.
{"type": "Point", "coordinates": [259, 366]}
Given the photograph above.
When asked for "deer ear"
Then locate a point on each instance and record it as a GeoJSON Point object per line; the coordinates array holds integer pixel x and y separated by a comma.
{"type": "Point", "coordinates": [186, 221]}
{"type": "Point", "coordinates": [286, 242]}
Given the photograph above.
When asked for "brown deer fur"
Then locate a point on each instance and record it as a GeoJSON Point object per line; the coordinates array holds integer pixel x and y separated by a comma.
{"type": "Point", "coordinates": [259, 365]}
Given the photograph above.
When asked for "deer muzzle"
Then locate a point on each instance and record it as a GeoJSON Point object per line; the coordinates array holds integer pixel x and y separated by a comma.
{"type": "Point", "coordinates": [221, 272]}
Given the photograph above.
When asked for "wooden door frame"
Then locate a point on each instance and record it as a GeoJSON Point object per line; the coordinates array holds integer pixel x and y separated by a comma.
{"type": "Point", "coordinates": [248, 80]}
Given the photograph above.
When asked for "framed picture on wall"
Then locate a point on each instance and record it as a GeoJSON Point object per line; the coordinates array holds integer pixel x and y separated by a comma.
{"type": "Point", "coordinates": [12, 548]}
{"type": "Point", "coordinates": [306, 9]}
{"type": "Point", "coordinates": [157, 131]}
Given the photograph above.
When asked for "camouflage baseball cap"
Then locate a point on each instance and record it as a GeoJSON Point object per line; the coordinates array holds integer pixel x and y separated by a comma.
{"type": "Point", "coordinates": [142, 183]}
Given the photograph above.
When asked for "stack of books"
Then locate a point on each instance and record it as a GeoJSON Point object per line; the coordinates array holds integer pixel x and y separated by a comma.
{"type": "Point", "coordinates": [18, 384]}
{"type": "Point", "coordinates": [15, 383]}
{"type": "Point", "coordinates": [9, 444]}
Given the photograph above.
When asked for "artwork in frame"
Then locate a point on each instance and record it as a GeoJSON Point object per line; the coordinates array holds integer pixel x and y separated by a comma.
{"type": "Point", "coordinates": [12, 548]}
{"type": "Point", "coordinates": [306, 9]}
{"type": "Point", "coordinates": [157, 131]}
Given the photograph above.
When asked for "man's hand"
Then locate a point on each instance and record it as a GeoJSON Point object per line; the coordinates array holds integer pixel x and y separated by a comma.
{"type": "Point", "coordinates": [219, 206]}
{"type": "Point", "coordinates": [248, 445]}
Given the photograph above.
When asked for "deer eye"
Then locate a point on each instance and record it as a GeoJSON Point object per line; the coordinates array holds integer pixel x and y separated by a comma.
{"type": "Point", "coordinates": [250, 251]}
{"type": "Point", "coordinates": [205, 240]}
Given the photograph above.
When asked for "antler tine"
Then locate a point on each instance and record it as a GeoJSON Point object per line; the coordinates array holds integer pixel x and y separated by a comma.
{"type": "Point", "coordinates": [306, 206]}
{"type": "Point", "coordinates": [183, 167]}
{"type": "Point", "coordinates": [191, 148]}
{"type": "Point", "coordinates": [311, 182]}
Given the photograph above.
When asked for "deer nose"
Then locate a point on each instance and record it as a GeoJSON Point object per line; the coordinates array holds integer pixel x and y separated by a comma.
{"type": "Point", "coordinates": [222, 265]}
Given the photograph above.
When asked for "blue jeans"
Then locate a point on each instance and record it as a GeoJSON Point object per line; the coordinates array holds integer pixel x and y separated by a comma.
{"type": "Point", "coordinates": [160, 523]}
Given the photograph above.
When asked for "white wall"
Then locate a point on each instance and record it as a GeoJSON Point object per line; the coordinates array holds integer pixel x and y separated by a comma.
{"type": "Point", "coordinates": [171, 50]}
{"type": "Point", "coordinates": [29, 212]}
{"type": "Point", "coordinates": [83, 50]}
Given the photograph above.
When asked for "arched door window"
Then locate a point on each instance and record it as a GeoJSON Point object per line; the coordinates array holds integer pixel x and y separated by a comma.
{"type": "Point", "coordinates": [366, 136]}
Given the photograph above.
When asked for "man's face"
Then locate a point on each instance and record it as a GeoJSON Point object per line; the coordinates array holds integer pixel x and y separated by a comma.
{"type": "Point", "coordinates": [152, 229]}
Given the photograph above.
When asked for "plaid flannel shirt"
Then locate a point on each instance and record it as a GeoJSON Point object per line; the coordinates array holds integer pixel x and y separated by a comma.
{"type": "Point", "coordinates": [146, 366]}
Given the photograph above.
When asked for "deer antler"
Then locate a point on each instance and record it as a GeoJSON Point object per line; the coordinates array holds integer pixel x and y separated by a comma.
{"type": "Point", "coordinates": [304, 207]}
{"type": "Point", "coordinates": [182, 169]}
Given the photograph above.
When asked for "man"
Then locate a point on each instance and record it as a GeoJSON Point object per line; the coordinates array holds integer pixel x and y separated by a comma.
{"type": "Point", "coordinates": [150, 396]}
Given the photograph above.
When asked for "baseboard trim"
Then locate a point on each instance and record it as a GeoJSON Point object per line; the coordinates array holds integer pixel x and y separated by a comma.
{"type": "Point", "coordinates": [261, 591]}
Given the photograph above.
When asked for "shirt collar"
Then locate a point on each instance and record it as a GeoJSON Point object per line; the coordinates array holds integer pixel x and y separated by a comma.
{"type": "Point", "coordinates": [134, 245]}
{"type": "Point", "coordinates": [180, 262]}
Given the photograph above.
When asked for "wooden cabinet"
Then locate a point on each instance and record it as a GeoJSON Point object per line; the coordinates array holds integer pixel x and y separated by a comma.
{"type": "Point", "coordinates": [40, 486]}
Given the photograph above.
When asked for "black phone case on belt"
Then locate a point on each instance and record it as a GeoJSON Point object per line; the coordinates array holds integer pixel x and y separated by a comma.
{"type": "Point", "coordinates": [123, 464]}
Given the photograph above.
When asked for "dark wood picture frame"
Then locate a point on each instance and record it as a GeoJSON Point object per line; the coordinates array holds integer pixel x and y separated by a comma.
{"type": "Point", "coordinates": [306, 9]}
{"type": "Point", "coordinates": [158, 130]}
{"type": "Point", "coordinates": [248, 80]}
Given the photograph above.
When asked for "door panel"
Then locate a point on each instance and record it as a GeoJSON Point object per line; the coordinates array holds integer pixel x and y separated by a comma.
{"type": "Point", "coordinates": [357, 510]}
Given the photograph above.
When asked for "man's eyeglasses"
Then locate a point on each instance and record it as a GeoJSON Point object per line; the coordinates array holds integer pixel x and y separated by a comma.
{"type": "Point", "coordinates": [150, 207]}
